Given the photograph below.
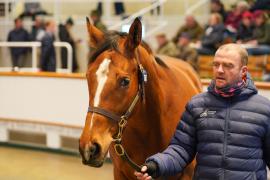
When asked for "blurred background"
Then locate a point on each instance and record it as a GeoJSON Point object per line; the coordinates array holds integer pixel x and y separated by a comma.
{"type": "Point", "coordinates": [44, 50]}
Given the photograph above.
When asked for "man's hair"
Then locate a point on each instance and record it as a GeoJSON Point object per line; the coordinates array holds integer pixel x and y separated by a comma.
{"type": "Point", "coordinates": [236, 47]}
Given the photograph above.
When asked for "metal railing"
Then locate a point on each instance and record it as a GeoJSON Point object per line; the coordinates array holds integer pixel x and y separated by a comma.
{"type": "Point", "coordinates": [34, 45]}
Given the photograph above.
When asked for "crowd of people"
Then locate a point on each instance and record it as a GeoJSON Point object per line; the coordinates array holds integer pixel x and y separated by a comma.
{"type": "Point", "coordinates": [43, 32]}
{"type": "Point", "coordinates": [246, 24]}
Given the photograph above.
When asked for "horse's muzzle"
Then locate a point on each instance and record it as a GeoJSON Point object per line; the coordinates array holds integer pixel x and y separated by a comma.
{"type": "Point", "coordinates": [90, 155]}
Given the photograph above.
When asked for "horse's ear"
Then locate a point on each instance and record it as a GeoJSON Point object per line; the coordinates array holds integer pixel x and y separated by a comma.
{"type": "Point", "coordinates": [134, 35]}
{"type": "Point", "coordinates": [96, 36]}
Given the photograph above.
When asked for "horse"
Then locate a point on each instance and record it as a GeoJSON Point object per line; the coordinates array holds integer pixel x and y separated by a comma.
{"type": "Point", "coordinates": [135, 101]}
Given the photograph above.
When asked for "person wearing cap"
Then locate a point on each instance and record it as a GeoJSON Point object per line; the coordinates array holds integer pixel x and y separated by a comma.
{"type": "Point", "coordinates": [192, 27]}
{"type": "Point", "coordinates": [261, 34]}
{"type": "Point", "coordinates": [65, 35]}
{"type": "Point", "coordinates": [165, 46]}
{"type": "Point", "coordinates": [186, 52]}
{"type": "Point", "coordinates": [226, 128]}
{"type": "Point", "coordinates": [246, 28]}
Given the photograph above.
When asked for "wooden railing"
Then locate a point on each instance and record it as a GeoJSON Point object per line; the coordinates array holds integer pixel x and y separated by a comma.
{"type": "Point", "coordinates": [257, 66]}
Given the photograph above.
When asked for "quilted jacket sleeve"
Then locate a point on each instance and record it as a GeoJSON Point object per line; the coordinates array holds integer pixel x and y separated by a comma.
{"type": "Point", "coordinates": [181, 150]}
{"type": "Point", "coordinates": [267, 146]}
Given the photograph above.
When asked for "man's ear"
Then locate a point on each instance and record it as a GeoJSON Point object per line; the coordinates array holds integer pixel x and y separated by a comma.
{"type": "Point", "coordinates": [134, 35]}
{"type": "Point", "coordinates": [244, 71]}
{"type": "Point", "coordinates": [96, 36]}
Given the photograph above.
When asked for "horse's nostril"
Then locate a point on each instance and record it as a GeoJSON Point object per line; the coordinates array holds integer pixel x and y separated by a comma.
{"type": "Point", "coordinates": [94, 149]}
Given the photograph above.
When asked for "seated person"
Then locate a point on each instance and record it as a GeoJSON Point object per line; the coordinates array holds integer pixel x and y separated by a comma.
{"type": "Point", "coordinates": [192, 27]}
{"type": "Point", "coordinates": [186, 52]}
{"type": "Point", "coordinates": [234, 18]}
{"type": "Point", "coordinates": [213, 35]}
{"type": "Point", "coordinates": [246, 28]}
{"type": "Point", "coordinates": [216, 6]}
{"type": "Point", "coordinates": [165, 46]}
{"type": "Point", "coordinates": [261, 36]}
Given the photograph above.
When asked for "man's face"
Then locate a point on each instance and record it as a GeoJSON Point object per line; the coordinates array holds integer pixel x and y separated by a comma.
{"type": "Point", "coordinates": [227, 68]}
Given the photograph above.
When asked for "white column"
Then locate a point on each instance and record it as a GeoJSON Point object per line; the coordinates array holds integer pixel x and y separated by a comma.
{"type": "Point", "coordinates": [53, 140]}
{"type": "Point", "coordinates": [3, 134]}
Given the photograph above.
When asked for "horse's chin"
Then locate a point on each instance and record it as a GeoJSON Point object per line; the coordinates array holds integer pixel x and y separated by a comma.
{"type": "Point", "coordinates": [94, 163]}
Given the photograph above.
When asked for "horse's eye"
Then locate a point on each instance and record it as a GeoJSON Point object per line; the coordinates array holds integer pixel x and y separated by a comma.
{"type": "Point", "coordinates": [124, 82]}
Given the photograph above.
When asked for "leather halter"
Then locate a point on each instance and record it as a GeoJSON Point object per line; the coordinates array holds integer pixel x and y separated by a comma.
{"type": "Point", "coordinates": [122, 120]}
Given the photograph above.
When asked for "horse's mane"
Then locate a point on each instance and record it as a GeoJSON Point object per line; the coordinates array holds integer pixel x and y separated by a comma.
{"type": "Point", "coordinates": [111, 43]}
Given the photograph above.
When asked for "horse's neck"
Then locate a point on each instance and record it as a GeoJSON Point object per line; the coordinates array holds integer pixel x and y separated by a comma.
{"type": "Point", "coordinates": [147, 120]}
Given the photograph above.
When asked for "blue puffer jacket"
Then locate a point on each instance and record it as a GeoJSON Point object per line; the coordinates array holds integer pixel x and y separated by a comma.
{"type": "Point", "coordinates": [231, 137]}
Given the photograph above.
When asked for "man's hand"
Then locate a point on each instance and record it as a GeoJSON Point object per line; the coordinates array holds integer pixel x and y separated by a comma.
{"type": "Point", "coordinates": [143, 175]}
{"type": "Point", "coordinates": [148, 171]}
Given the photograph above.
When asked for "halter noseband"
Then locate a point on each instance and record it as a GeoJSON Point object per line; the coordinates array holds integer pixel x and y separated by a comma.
{"type": "Point", "coordinates": [122, 120]}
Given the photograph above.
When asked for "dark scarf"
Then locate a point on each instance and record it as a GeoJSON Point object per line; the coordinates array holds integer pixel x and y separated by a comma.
{"type": "Point", "coordinates": [228, 91]}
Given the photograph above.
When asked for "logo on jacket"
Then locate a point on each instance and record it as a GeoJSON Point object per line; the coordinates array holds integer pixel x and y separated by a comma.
{"type": "Point", "coordinates": [207, 112]}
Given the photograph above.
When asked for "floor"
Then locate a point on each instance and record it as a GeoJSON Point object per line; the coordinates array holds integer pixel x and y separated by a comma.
{"type": "Point", "coordinates": [21, 164]}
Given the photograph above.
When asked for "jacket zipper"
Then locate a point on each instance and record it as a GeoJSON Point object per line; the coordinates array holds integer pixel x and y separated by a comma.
{"type": "Point", "coordinates": [225, 137]}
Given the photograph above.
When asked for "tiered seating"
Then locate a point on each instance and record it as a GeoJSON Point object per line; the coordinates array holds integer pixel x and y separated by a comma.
{"type": "Point", "coordinates": [257, 66]}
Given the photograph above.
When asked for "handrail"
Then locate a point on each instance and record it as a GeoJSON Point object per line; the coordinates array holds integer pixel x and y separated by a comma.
{"type": "Point", "coordinates": [35, 45]}
{"type": "Point", "coordinates": [138, 14]}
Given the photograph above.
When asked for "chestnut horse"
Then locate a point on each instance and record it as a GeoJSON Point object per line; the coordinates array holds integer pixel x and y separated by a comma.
{"type": "Point", "coordinates": [135, 101]}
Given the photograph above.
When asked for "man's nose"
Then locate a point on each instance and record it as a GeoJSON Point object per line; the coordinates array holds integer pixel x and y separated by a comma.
{"type": "Point", "coordinates": [220, 68]}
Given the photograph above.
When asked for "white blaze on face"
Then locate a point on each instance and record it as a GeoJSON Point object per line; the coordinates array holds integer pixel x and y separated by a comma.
{"type": "Point", "coordinates": [102, 77]}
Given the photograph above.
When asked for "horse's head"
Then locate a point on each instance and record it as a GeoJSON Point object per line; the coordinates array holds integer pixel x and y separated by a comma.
{"type": "Point", "coordinates": [112, 78]}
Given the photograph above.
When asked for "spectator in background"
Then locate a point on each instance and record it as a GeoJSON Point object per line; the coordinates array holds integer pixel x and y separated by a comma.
{"type": "Point", "coordinates": [213, 35]}
{"type": "Point", "coordinates": [234, 18]}
{"type": "Point", "coordinates": [155, 11]}
{"type": "Point", "coordinates": [246, 28]}
{"type": "Point", "coordinates": [192, 27]}
{"type": "Point", "coordinates": [48, 58]}
{"type": "Point", "coordinates": [65, 35]}
{"type": "Point", "coordinates": [165, 46]}
{"type": "Point", "coordinates": [119, 8]}
{"type": "Point", "coordinates": [261, 34]}
{"type": "Point", "coordinates": [38, 29]}
{"type": "Point", "coordinates": [96, 18]}
{"type": "Point", "coordinates": [216, 6]}
{"type": "Point", "coordinates": [260, 5]}
{"type": "Point", "coordinates": [18, 34]}
{"type": "Point", "coordinates": [186, 52]}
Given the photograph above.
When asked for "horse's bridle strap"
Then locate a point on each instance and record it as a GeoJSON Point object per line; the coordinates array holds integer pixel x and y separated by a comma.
{"type": "Point", "coordinates": [104, 112]}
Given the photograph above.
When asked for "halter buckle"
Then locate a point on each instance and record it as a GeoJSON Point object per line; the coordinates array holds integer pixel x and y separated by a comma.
{"type": "Point", "coordinates": [119, 149]}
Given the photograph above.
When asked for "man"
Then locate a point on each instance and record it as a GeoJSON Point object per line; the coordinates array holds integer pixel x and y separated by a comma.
{"type": "Point", "coordinates": [65, 35]}
{"type": "Point", "coordinates": [186, 52]}
{"type": "Point", "coordinates": [227, 128]}
{"type": "Point", "coordinates": [261, 34]}
{"type": "Point", "coordinates": [213, 35]}
{"type": "Point", "coordinates": [192, 27]}
{"type": "Point", "coordinates": [165, 46]}
{"type": "Point", "coordinates": [48, 57]}
{"type": "Point", "coordinates": [18, 34]}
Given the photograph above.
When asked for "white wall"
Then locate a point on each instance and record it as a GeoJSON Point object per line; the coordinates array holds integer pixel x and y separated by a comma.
{"type": "Point", "coordinates": [55, 100]}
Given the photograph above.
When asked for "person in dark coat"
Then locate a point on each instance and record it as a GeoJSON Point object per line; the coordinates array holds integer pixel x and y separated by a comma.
{"type": "Point", "coordinates": [48, 57]}
{"type": "Point", "coordinates": [213, 35]}
{"type": "Point", "coordinates": [246, 28]}
{"type": "Point", "coordinates": [18, 34]}
{"type": "Point", "coordinates": [227, 127]}
{"type": "Point", "coordinates": [65, 36]}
